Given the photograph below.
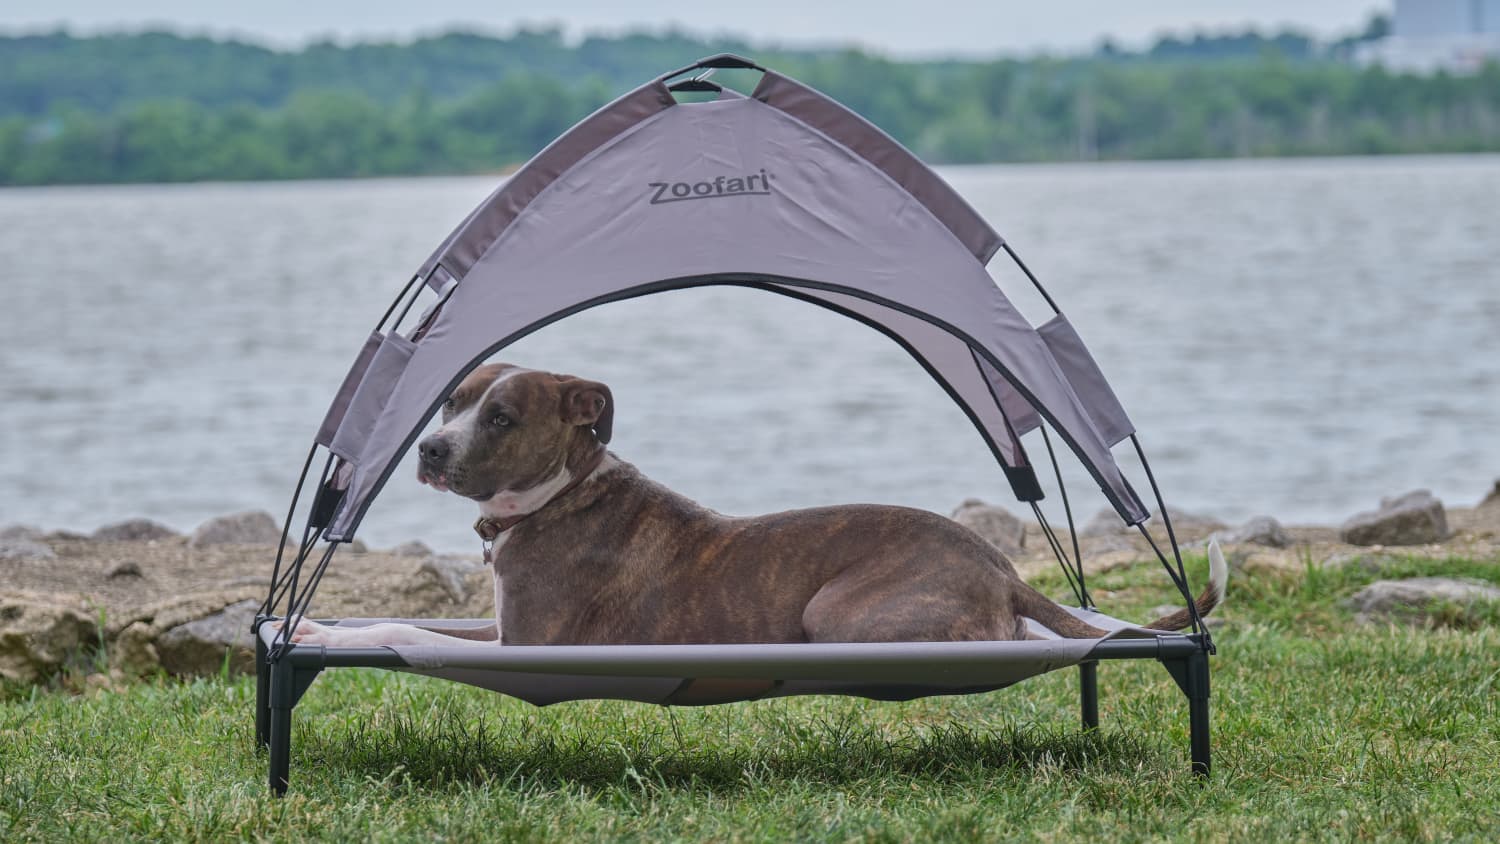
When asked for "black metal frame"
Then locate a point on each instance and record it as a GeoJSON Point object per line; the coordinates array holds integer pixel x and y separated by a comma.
{"type": "Point", "coordinates": [281, 682]}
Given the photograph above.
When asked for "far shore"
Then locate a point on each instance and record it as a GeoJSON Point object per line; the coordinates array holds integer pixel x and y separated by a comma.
{"type": "Point", "coordinates": [505, 171]}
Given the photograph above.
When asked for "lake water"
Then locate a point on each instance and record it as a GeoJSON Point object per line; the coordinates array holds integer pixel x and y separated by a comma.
{"type": "Point", "coordinates": [1296, 338]}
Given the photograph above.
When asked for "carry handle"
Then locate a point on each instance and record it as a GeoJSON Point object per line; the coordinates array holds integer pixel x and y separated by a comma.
{"type": "Point", "coordinates": [727, 61]}
{"type": "Point", "coordinates": [696, 83]}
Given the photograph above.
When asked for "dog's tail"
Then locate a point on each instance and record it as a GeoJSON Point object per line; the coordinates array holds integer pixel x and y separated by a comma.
{"type": "Point", "coordinates": [1212, 596]}
{"type": "Point", "coordinates": [1035, 605]}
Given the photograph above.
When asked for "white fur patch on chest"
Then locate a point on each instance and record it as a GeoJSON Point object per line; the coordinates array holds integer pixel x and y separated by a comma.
{"type": "Point", "coordinates": [519, 502]}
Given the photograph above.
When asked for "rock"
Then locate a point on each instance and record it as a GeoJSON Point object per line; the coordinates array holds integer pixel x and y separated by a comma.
{"type": "Point", "coordinates": [22, 532]}
{"type": "Point", "coordinates": [1093, 546]}
{"type": "Point", "coordinates": [1261, 530]}
{"type": "Point", "coordinates": [134, 530]}
{"type": "Point", "coordinates": [197, 648]}
{"type": "Point", "coordinates": [39, 633]}
{"type": "Point", "coordinates": [181, 609]}
{"type": "Point", "coordinates": [1371, 562]}
{"type": "Point", "coordinates": [1490, 500]}
{"type": "Point", "coordinates": [25, 549]}
{"type": "Point", "coordinates": [446, 574]}
{"type": "Point", "coordinates": [252, 527]}
{"type": "Point", "coordinates": [133, 652]}
{"type": "Point", "coordinates": [994, 524]}
{"type": "Point", "coordinates": [124, 568]}
{"type": "Point", "coordinates": [412, 549]}
{"type": "Point", "coordinates": [1104, 523]}
{"type": "Point", "coordinates": [1486, 516]}
{"type": "Point", "coordinates": [1187, 526]}
{"type": "Point", "coordinates": [1419, 595]}
{"type": "Point", "coordinates": [1415, 518]}
{"type": "Point", "coordinates": [1342, 559]}
{"type": "Point", "coordinates": [357, 546]}
{"type": "Point", "coordinates": [65, 535]}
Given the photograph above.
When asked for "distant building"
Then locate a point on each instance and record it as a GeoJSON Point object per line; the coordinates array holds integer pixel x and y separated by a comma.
{"type": "Point", "coordinates": [1457, 36]}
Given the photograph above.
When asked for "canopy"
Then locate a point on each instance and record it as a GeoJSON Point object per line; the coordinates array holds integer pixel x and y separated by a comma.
{"type": "Point", "coordinates": [783, 190]}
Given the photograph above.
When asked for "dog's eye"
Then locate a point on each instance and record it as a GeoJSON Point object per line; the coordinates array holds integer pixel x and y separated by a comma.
{"type": "Point", "coordinates": [500, 421]}
{"type": "Point", "coordinates": [448, 405]}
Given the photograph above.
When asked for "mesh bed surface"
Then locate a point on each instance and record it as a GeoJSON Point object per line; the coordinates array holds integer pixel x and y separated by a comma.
{"type": "Point", "coordinates": [708, 674]}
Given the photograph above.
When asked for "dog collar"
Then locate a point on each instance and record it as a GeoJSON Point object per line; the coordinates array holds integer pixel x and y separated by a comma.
{"type": "Point", "coordinates": [489, 529]}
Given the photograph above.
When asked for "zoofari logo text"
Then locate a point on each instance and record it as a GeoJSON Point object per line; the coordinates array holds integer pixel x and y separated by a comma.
{"type": "Point", "coordinates": [754, 184]}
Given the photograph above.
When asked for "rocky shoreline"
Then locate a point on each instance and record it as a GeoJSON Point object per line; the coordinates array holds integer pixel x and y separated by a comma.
{"type": "Point", "coordinates": [136, 598]}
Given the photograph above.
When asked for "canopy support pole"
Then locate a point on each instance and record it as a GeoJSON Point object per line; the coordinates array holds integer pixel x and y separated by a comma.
{"type": "Point", "coordinates": [286, 527]}
{"type": "Point", "coordinates": [395, 303]}
{"type": "Point", "coordinates": [1178, 575]}
{"type": "Point", "coordinates": [1062, 556]}
{"type": "Point", "coordinates": [284, 584]}
{"type": "Point", "coordinates": [278, 579]}
{"type": "Point", "coordinates": [1086, 601]}
{"type": "Point", "coordinates": [297, 603]}
{"type": "Point", "coordinates": [1029, 274]}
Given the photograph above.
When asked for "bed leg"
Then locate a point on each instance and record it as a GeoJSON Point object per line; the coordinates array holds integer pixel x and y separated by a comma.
{"type": "Point", "coordinates": [1197, 666]}
{"type": "Point", "coordinates": [1191, 674]}
{"type": "Point", "coordinates": [1088, 682]}
{"type": "Point", "coordinates": [289, 680]}
{"type": "Point", "coordinates": [262, 695]}
{"type": "Point", "coordinates": [282, 679]}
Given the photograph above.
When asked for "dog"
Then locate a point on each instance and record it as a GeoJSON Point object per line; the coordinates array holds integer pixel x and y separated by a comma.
{"type": "Point", "coordinates": [587, 550]}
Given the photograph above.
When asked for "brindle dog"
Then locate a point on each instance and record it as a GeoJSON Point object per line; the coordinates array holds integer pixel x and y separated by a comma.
{"type": "Point", "coordinates": [587, 550]}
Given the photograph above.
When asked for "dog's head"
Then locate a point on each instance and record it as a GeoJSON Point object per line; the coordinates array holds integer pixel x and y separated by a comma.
{"type": "Point", "coordinates": [509, 430]}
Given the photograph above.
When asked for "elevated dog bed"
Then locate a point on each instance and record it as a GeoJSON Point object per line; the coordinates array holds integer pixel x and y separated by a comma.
{"type": "Point", "coordinates": [781, 190]}
{"type": "Point", "coordinates": [701, 674]}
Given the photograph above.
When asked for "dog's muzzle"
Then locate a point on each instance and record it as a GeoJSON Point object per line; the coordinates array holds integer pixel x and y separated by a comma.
{"type": "Point", "coordinates": [432, 456]}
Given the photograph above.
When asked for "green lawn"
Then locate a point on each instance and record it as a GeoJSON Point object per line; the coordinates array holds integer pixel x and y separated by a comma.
{"type": "Point", "coordinates": [1322, 730]}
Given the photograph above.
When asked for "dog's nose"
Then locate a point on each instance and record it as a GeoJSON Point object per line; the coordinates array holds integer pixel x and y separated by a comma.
{"type": "Point", "coordinates": [433, 450]}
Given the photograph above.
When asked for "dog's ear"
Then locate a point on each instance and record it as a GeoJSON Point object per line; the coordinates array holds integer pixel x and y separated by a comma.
{"type": "Point", "coordinates": [589, 403]}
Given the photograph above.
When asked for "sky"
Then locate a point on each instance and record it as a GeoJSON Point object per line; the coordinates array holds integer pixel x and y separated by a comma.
{"type": "Point", "coordinates": [912, 28]}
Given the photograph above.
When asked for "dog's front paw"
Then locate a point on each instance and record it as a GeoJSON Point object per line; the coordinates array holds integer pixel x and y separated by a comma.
{"type": "Point", "coordinates": [311, 633]}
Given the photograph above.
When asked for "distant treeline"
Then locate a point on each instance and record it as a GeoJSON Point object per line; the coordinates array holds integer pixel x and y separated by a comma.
{"type": "Point", "coordinates": [159, 107]}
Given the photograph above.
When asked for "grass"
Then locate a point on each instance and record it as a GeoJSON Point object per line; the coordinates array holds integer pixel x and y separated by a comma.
{"type": "Point", "coordinates": [1323, 730]}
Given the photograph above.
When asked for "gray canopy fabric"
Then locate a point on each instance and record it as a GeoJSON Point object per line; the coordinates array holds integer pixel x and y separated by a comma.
{"type": "Point", "coordinates": [784, 190]}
